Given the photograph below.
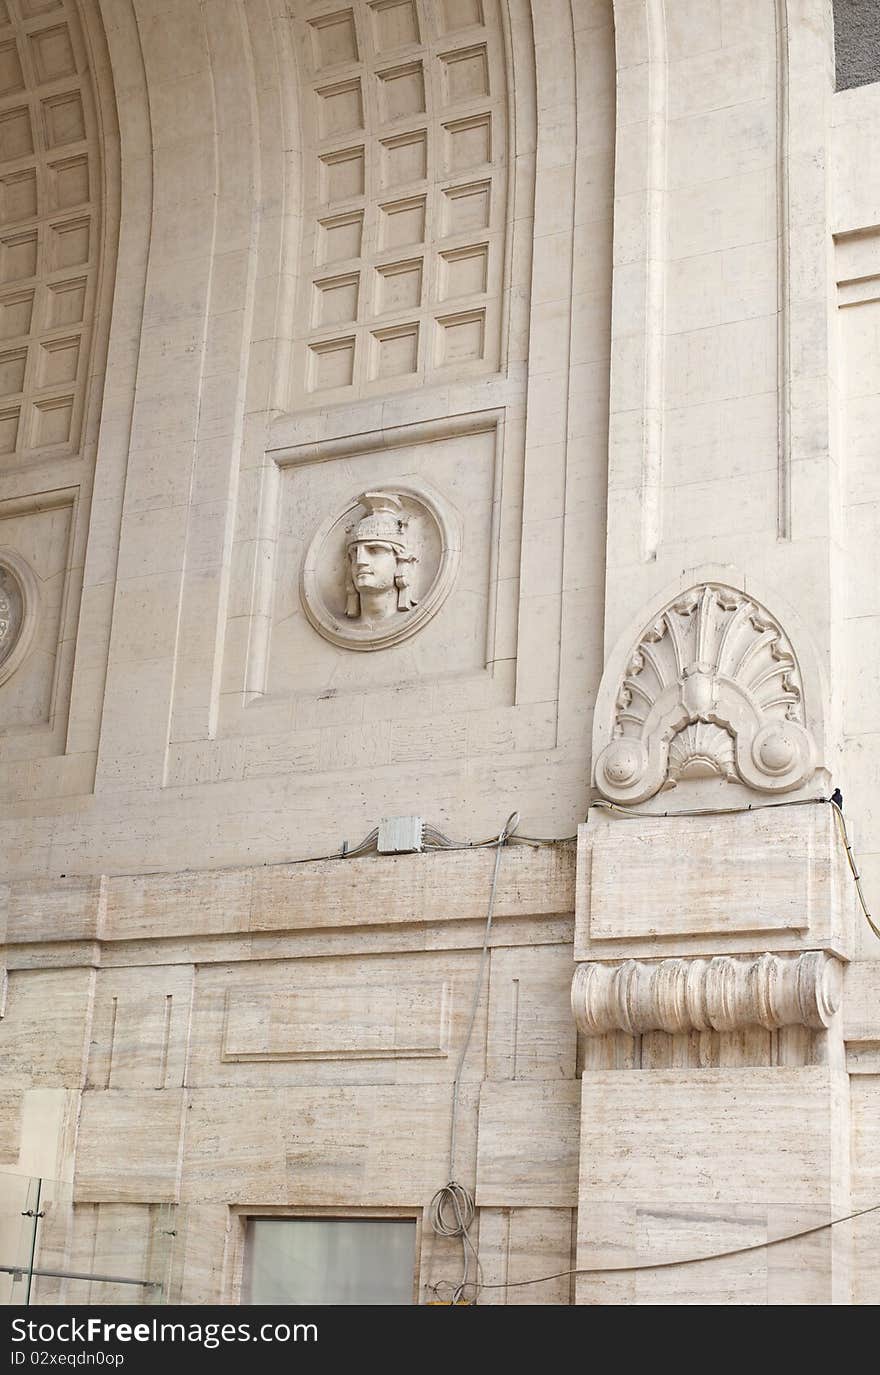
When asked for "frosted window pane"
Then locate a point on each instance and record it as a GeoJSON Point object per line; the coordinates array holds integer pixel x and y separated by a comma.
{"type": "Point", "coordinates": [329, 1261]}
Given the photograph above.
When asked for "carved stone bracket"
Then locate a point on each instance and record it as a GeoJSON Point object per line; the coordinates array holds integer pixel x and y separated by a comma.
{"type": "Point", "coordinates": [712, 688]}
{"type": "Point", "coordinates": [721, 994]}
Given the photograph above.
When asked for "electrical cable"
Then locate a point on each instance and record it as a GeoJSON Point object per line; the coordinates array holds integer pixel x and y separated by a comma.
{"type": "Point", "coordinates": [454, 1198]}
{"type": "Point", "coordinates": [838, 811]}
{"type": "Point", "coordinates": [686, 1260]}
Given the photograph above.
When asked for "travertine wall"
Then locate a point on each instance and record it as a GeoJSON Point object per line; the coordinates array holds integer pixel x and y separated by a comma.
{"type": "Point", "coordinates": [581, 294]}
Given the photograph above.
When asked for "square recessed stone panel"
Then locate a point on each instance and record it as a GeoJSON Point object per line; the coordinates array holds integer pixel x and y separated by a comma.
{"type": "Point", "coordinates": [342, 175]}
{"type": "Point", "coordinates": [395, 351]}
{"type": "Point", "coordinates": [335, 300]}
{"type": "Point", "coordinates": [18, 196]}
{"type": "Point", "coordinates": [31, 8]}
{"type": "Point", "coordinates": [16, 134]}
{"type": "Point", "coordinates": [58, 361]}
{"type": "Point", "coordinates": [9, 423]}
{"type": "Point", "coordinates": [461, 338]}
{"type": "Point", "coordinates": [68, 182]}
{"type": "Point", "coordinates": [65, 302]}
{"type": "Point", "coordinates": [464, 271]}
{"type": "Point", "coordinates": [64, 119]}
{"type": "Point", "coordinates": [18, 256]}
{"type": "Point", "coordinates": [333, 39]}
{"type": "Point", "coordinates": [465, 74]}
{"type": "Point", "coordinates": [331, 364]}
{"type": "Point", "coordinates": [402, 222]}
{"type": "Point", "coordinates": [401, 91]}
{"type": "Point", "coordinates": [69, 243]}
{"type": "Point", "coordinates": [458, 466]}
{"type": "Point", "coordinates": [340, 237]}
{"type": "Point", "coordinates": [466, 208]}
{"type": "Point", "coordinates": [52, 53]}
{"type": "Point", "coordinates": [395, 24]}
{"type": "Point", "coordinates": [12, 370]}
{"type": "Point", "coordinates": [340, 109]}
{"type": "Point", "coordinates": [11, 77]}
{"type": "Point", "coordinates": [53, 421]}
{"type": "Point", "coordinates": [459, 14]}
{"type": "Point", "coordinates": [398, 286]}
{"type": "Point", "coordinates": [16, 313]}
{"type": "Point", "coordinates": [405, 159]}
{"type": "Point", "coordinates": [468, 143]}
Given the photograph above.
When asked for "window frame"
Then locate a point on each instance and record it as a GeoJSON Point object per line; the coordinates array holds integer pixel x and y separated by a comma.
{"type": "Point", "coordinates": [241, 1214]}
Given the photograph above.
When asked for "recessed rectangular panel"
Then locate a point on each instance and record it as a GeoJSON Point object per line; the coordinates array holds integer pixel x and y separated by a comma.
{"type": "Point", "coordinates": [31, 8]}
{"type": "Point", "coordinates": [12, 369]}
{"type": "Point", "coordinates": [16, 134]}
{"type": "Point", "coordinates": [465, 74]}
{"type": "Point", "coordinates": [463, 271]}
{"type": "Point", "coordinates": [331, 364]}
{"type": "Point", "coordinates": [340, 238]}
{"type": "Point", "coordinates": [399, 286]}
{"type": "Point", "coordinates": [52, 53]}
{"type": "Point", "coordinates": [69, 244]}
{"type": "Point", "coordinates": [466, 208]}
{"type": "Point", "coordinates": [680, 881]}
{"type": "Point", "coordinates": [405, 159]}
{"type": "Point", "coordinates": [9, 421]}
{"type": "Point", "coordinates": [53, 419]}
{"type": "Point", "coordinates": [459, 14]}
{"type": "Point", "coordinates": [11, 78]}
{"type": "Point", "coordinates": [395, 351]}
{"type": "Point", "coordinates": [58, 361]}
{"type": "Point", "coordinates": [335, 300]}
{"type": "Point", "coordinates": [395, 24]}
{"type": "Point", "coordinates": [461, 338]}
{"type": "Point", "coordinates": [18, 196]}
{"type": "Point", "coordinates": [468, 142]}
{"type": "Point", "coordinates": [402, 222]}
{"type": "Point", "coordinates": [354, 1022]}
{"type": "Point", "coordinates": [340, 109]}
{"type": "Point", "coordinates": [16, 313]}
{"type": "Point", "coordinates": [342, 175]}
{"type": "Point", "coordinates": [68, 182]}
{"type": "Point", "coordinates": [333, 39]}
{"type": "Point", "coordinates": [402, 91]}
{"type": "Point", "coordinates": [64, 119]}
{"type": "Point", "coordinates": [18, 256]}
{"type": "Point", "coordinates": [65, 302]}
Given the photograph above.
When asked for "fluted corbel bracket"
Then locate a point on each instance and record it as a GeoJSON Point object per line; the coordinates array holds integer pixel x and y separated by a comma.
{"type": "Point", "coordinates": [720, 994]}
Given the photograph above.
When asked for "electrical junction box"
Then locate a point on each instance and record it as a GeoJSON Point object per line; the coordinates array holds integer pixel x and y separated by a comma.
{"type": "Point", "coordinates": [400, 835]}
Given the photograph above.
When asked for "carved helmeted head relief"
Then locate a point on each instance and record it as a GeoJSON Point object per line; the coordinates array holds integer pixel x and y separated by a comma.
{"type": "Point", "coordinates": [380, 567]}
{"type": "Point", "coordinates": [379, 560]}
{"type": "Point", "coordinates": [712, 689]}
{"type": "Point", "coordinates": [18, 609]}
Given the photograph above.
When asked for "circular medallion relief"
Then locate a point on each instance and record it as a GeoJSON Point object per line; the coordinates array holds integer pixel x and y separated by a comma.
{"type": "Point", "coordinates": [378, 570]}
{"type": "Point", "coordinates": [18, 607]}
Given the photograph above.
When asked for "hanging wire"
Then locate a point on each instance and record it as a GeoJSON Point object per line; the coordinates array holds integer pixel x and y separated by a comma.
{"type": "Point", "coordinates": [686, 1260]}
{"type": "Point", "coordinates": [452, 1208]}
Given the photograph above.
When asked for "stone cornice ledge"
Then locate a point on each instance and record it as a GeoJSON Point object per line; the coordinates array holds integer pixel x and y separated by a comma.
{"type": "Point", "coordinates": [724, 993]}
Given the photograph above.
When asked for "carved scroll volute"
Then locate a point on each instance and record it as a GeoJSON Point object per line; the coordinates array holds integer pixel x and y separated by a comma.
{"type": "Point", "coordinates": [712, 688]}
{"type": "Point", "coordinates": [726, 993]}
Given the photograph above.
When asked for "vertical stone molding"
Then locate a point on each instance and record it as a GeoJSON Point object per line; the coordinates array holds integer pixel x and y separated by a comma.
{"type": "Point", "coordinates": [726, 993]}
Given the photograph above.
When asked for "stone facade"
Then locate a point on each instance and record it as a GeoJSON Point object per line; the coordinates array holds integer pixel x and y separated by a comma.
{"type": "Point", "coordinates": [440, 409]}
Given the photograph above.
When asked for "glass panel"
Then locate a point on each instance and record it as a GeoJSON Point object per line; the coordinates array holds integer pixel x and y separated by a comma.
{"type": "Point", "coordinates": [329, 1261]}
{"type": "Point", "coordinates": [18, 1207]}
{"type": "Point", "coordinates": [52, 1252]}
